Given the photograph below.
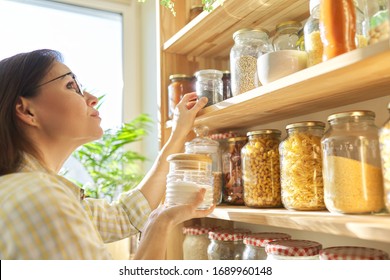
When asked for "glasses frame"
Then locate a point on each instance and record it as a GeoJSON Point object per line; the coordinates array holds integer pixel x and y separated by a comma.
{"type": "Point", "coordinates": [78, 84]}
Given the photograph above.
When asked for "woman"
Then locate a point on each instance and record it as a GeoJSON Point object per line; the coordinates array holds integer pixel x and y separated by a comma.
{"type": "Point", "coordinates": [44, 116]}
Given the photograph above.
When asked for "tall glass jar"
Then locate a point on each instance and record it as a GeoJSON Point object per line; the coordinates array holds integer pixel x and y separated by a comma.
{"type": "Point", "coordinates": [352, 253]}
{"type": "Point", "coordinates": [260, 160]}
{"type": "Point", "coordinates": [255, 244]}
{"type": "Point", "coordinates": [286, 36]}
{"type": "Point", "coordinates": [187, 174]}
{"type": "Point", "coordinates": [293, 249]}
{"type": "Point", "coordinates": [209, 84]}
{"type": "Point", "coordinates": [196, 242]}
{"type": "Point", "coordinates": [180, 85]}
{"type": "Point", "coordinates": [384, 141]}
{"type": "Point", "coordinates": [226, 244]}
{"type": "Point", "coordinates": [352, 172]}
{"type": "Point", "coordinates": [201, 144]}
{"type": "Point", "coordinates": [301, 166]}
{"type": "Point", "coordinates": [233, 188]}
{"type": "Point", "coordinates": [249, 44]}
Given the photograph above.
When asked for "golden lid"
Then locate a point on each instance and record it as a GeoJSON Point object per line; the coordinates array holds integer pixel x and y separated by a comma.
{"type": "Point", "coordinates": [179, 76]}
{"type": "Point", "coordinates": [247, 30]}
{"type": "Point", "coordinates": [264, 131]}
{"type": "Point", "coordinates": [306, 124]}
{"type": "Point", "coordinates": [357, 113]}
{"type": "Point", "coordinates": [189, 157]}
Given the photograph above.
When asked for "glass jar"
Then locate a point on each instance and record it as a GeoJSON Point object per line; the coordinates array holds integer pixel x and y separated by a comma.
{"type": "Point", "coordinates": [293, 249]}
{"type": "Point", "coordinates": [301, 166]}
{"type": "Point", "coordinates": [209, 84]}
{"type": "Point", "coordinates": [379, 21]}
{"type": "Point", "coordinates": [249, 44]}
{"type": "Point", "coordinates": [187, 174]}
{"type": "Point", "coordinates": [180, 85]}
{"type": "Point", "coordinates": [195, 243]}
{"type": "Point", "coordinates": [260, 159]}
{"type": "Point", "coordinates": [226, 244]}
{"type": "Point", "coordinates": [227, 92]}
{"type": "Point", "coordinates": [255, 244]}
{"type": "Point", "coordinates": [352, 165]}
{"type": "Point", "coordinates": [301, 40]}
{"type": "Point", "coordinates": [233, 187]}
{"type": "Point", "coordinates": [201, 144]}
{"type": "Point", "coordinates": [384, 142]}
{"type": "Point", "coordinates": [286, 36]}
{"type": "Point", "coordinates": [352, 253]}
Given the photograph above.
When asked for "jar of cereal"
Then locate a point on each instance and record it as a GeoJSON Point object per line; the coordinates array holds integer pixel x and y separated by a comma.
{"type": "Point", "coordinates": [293, 249]}
{"type": "Point", "coordinates": [352, 253]}
{"type": "Point", "coordinates": [301, 166]}
{"type": "Point", "coordinates": [195, 243]}
{"type": "Point", "coordinates": [384, 141]}
{"type": "Point", "coordinates": [226, 244]}
{"type": "Point", "coordinates": [255, 244]}
{"type": "Point", "coordinates": [260, 164]}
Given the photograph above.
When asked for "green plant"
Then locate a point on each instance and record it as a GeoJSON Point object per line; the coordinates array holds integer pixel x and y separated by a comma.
{"type": "Point", "coordinates": [112, 167]}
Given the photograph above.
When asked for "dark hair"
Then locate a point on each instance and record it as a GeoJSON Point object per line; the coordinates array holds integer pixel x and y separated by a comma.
{"type": "Point", "coordinates": [19, 76]}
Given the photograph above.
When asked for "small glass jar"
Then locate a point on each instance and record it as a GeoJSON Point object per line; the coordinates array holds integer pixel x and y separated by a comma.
{"type": "Point", "coordinates": [187, 174]}
{"type": "Point", "coordinates": [209, 84]}
{"type": "Point", "coordinates": [352, 253]}
{"type": "Point", "coordinates": [249, 44]}
{"type": "Point", "coordinates": [227, 91]}
{"type": "Point", "coordinates": [261, 169]}
{"type": "Point", "coordinates": [195, 243]}
{"type": "Point", "coordinates": [233, 187]}
{"type": "Point", "coordinates": [352, 172]}
{"type": "Point", "coordinates": [286, 36]}
{"type": "Point", "coordinates": [201, 144]}
{"type": "Point", "coordinates": [180, 85]}
{"type": "Point", "coordinates": [379, 21]}
{"type": "Point", "coordinates": [384, 142]}
{"type": "Point", "coordinates": [301, 166]}
{"type": "Point", "coordinates": [255, 244]}
{"type": "Point", "coordinates": [293, 249]}
{"type": "Point", "coordinates": [226, 244]}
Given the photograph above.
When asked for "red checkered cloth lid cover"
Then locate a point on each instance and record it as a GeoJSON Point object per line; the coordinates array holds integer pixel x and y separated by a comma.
{"type": "Point", "coordinates": [260, 239]}
{"type": "Point", "coordinates": [352, 253]}
{"type": "Point", "coordinates": [293, 247]}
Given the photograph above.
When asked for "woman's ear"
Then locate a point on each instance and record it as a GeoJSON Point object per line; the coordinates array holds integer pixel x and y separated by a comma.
{"type": "Point", "coordinates": [24, 112]}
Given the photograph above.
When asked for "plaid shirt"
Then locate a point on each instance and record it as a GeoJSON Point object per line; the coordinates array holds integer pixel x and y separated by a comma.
{"type": "Point", "coordinates": [44, 216]}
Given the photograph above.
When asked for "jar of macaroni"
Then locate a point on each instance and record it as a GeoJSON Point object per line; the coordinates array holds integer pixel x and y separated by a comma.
{"type": "Point", "coordinates": [261, 169]}
{"type": "Point", "coordinates": [293, 249]}
{"type": "Point", "coordinates": [352, 253]}
{"type": "Point", "coordinates": [226, 244]}
{"type": "Point", "coordinates": [255, 244]}
{"type": "Point", "coordinates": [352, 171]}
{"type": "Point", "coordinates": [301, 166]}
{"type": "Point", "coordinates": [195, 242]}
{"type": "Point", "coordinates": [384, 142]}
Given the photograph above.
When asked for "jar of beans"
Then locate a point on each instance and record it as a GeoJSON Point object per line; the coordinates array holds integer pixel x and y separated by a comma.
{"type": "Point", "coordinates": [260, 164]}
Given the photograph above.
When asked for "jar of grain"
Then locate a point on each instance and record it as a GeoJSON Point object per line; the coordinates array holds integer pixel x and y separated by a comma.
{"type": "Point", "coordinates": [286, 36]}
{"type": "Point", "coordinates": [352, 253]}
{"type": "Point", "coordinates": [255, 244]}
{"type": "Point", "coordinates": [293, 249]}
{"type": "Point", "coordinates": [379, 21]}
{"type": "Point", "coordinates": [187, 174]}
{"type": "Point", "coordinates": [384, 142]}
{"type": "Point", "coordinates": [209, 84]}
{"type": "Point", "coordinates": [233, 188]}
{"type": "Point", "coordinates": [195, 242]}
{"type": "Point", "coordinates": [249, 44]}
{"type": "Point", "coordinates": [226, 244]}
{"type": "Point", "coordinates": [352, 172]}
{"type": "Point", "coordinates": [301, 166]}
{"type": "Point", "coordinates": [180, 85]}
{"type": "Point", "coordinates": [202, 144]}
{"type": "Point", "coordinates": [260, 165]}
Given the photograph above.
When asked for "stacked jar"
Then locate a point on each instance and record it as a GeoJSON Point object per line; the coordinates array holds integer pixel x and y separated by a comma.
{"type": "Point", "coordinates": [261, 169]}
{"type": "Point", "coordinates": [201, 144]}
{"type": "Point", "coordinates": [293, 249]}
{"type": "Point", "coordinates": [255, 244]}
{"type": "Point", "coordinates": [180, 85]}
{"type": "Point", "coordinates": [353, 180]}
{"type": "Point", "coordinates": [384, 141]}
{"type": "Point", "coordinates": [301, 166]}
{"type": "Point", "coordinates": [209, 84]}
{"type": "Point", "coordinates": [226, 244]}
{"type": "Point", "coordinates": [195, 242]}
{"type": "Point", "coordinates": [352, 253]}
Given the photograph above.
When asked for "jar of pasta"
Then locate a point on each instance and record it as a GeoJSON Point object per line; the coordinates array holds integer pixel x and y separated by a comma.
{"type": "Point", "coordinates": [195, 243]}
{"type": "Point", "coordinates": [352, 253]}
{"type": "Point", "coordinates": [260, 164]}
{"type": "Point", "coordinates": [301, 166]}
{"type": "Point", "coordinates": [352, 172]}
{"type": "Point", "coordinates": [293, 249]}
{"type": "Point", "coordinates": [233, 188]}
{"type": "Point", "coordinates": [384, 142]}
{"type": "Point", "coordinates": [255, 244]}
{"type": "Point", "coordinates": [226, 244]}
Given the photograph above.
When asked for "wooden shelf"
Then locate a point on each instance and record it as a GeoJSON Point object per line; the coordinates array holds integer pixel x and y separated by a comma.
{"type": "Point", "coordinates": [370, 227]}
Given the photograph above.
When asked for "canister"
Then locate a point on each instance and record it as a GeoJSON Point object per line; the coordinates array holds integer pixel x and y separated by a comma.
{"type": "Point", "coordinates": [209, 84]}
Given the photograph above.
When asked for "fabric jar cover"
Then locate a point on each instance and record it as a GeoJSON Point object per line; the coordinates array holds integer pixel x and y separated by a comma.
{"type": "Point", "coordinates": [293, 247]}
{"type": "Point", "coordinates": [197, 230]}
{"type": "Point", "coordinates": [228, 234]}
{"type": "Point", "coordinates": [260, 239]}
{"type": "Point", "coordinates": [352, 253]}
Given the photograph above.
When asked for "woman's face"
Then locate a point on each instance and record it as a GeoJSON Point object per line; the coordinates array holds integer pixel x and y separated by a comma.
{"type": "Point", "coordinates": [63, 114]}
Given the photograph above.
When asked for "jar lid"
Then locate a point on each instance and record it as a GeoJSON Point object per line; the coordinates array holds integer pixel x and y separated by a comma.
{"type": "Point", "coordinates": [289, 23]}
{"type": "Point", "coordinates": [228, 234]}
{"type": "Point", "coordinates": [352, 253]}
{"type": "Point", "coordinates": [201, 143]}
{"type": "Point", "coordinates": [293, 247]}
{"type": "Point", "coordinates": [224, 135]}
{"type": "Point", "coordinates": [260, 239]}
{"type": "Point", "coordinates": [226, 72]}
{"type": "Point", "coordinates": [264, 131]}
{"type": "Point", "coordinates": [250, 30]}
{"type": "Point", "coordinates": [236, 139]}
{"type": "Point", "coordinates": [196, 230]}
{"type": "Point", "coordinates": [209, 73]}
{"type": "Point", "coordinates": [189, 157]}
{"type": "Point", "coordinates": [306, 124]}
{"type": "Point", "coordinates": [358, 113]}
{"type": "Point", "coordinates": [180, 76]}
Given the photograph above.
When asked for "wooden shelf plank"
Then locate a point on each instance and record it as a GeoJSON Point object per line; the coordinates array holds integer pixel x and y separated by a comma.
{"type": "Point", "coordinates": [370, 227]}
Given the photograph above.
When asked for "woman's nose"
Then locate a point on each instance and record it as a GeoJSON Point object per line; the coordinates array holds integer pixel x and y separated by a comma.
{"type": "Point", "coordinates": [91, 99]}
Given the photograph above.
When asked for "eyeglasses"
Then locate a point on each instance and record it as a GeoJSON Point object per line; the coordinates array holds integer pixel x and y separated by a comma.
{"type": "Point", "coordinates": [79, 88]}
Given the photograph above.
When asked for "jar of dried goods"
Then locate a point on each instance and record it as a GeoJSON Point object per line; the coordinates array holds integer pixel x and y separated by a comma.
{"type": "Point", "coordinates": [180, 85]}
{"type": "Point", "coordinates": [293, 249]}
{"type": "Point", "coordinates": [255, 244]}
{"type": "Point", "coordinates": [260, 165]}
{"type": "Point", "coordinates": [352, 172]}
{"type": "Point", "coordinates": [286, 36]}
{"type": "Point", "coordinates": [201, 144]}
{"type": "Point", "coordinates": [384, 142]}
{"type": "Point", "coordinates": [352, 253]}
{"type": "Point", "coordinates": [379, 21]}
{"type": "Point", "coordinates": [249, 44]}
{"type": "Point", "coordinates": [301, 166]}
{"type": "Point", "coordinates": [227, 92]}
{"type": "Point", "coordinates": [226, 244]}
{"type": "Point", "coordinates": [195, 242]}
{"type": "Point", "coordinates": [233, 187]}
{"type": "Point", "coordinates": [209, 84]}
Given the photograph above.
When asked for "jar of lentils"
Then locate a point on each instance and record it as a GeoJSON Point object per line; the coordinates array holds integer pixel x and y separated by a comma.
{"type": "Point", "coordinates": [261, 169]}
{"type": "Point", "coordinates": [255, 244]}
{"type": "Point", "coordinates": [226, 244]}
{"type": "Point", "coordinates": [301, 166]}
{"type": "Point", "coordinates": [352, 253]}
{"type": "Point", "coordinates": [293, 249]}
{"type": "Point", "coordinates": [195, 243]}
